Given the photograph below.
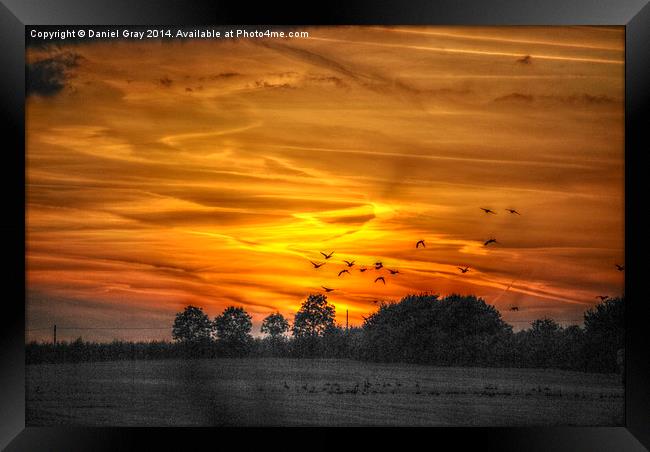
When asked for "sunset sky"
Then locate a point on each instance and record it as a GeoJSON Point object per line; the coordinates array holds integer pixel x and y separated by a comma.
{"type": "Point", "coordinates": [210, 172]}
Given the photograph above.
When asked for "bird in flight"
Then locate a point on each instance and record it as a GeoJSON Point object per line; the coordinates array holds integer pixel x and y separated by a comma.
{"type": "Point", "coordinates": [514, 308]}
{"type": "Point", "coordinates": [420, 242]}
{"type": "Point", "coordinates": [349, 263]}
{"type": "Point", "coordinates": [327, 256]}
{"type": "Point", "coordinates": [619, 267]}
{"type": "Point", "coordinates": [343, 271]}
{"type": "Point", "coordinates": [317, 264]}
{"type": "Point", "coordinates": [463, 270]}
{"type": "Point", "coordinates": [393, 272]}
{"type": "Point", "coordinates": [488, 210]}
{"type": "Point", "coordinates": [327, 289]}
{"type": "Point", "coordinates": [378, 265]}
{"type": "Point", "coordinates": [381, 278]}
{"type": "Point", "coordinates": [363, 269]}
{"type": "Point", "coordinates": [513, 211]}
{"type": "Point", "coordinates": [487, 242]}
{"type": "Point", "coordinates": [602, 297]}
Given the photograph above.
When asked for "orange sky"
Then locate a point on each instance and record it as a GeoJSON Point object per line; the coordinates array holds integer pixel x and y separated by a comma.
{"type": "Point", "coordinates": [212, 172]}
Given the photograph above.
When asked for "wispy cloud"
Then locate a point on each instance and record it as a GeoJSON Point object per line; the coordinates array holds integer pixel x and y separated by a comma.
{"type": "Point", "coordinates": [144, 196]}
{"type": "Point", "coordinates": [48, 76]}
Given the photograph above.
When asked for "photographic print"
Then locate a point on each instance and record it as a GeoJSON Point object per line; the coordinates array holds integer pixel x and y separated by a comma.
{"type": "Point", "coordinates": [325, 226]}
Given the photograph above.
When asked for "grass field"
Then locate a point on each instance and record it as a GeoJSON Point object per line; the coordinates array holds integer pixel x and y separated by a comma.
{"type": "Point", "coordinates": [314, 392]}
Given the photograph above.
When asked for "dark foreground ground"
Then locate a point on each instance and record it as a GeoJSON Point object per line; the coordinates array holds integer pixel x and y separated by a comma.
{"type": "Point", "coordinates": [314, 392]}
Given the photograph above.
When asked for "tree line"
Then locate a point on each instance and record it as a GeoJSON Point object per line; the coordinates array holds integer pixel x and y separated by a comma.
{"type": "Point", "coordinates": [453, 330]}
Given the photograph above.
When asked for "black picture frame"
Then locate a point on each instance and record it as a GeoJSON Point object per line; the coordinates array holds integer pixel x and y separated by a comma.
{"type": "Point", "coordinates": [16, 14]}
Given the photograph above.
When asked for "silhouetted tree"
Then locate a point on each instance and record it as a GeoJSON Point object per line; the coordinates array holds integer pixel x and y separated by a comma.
{"type": "Point", "coordinates": [233, 329]}
{"type": "Point", "coordinates": [314, 317]}
{"type": "Point", "coordinates": [192, 325]}
{"type": "Point", "coordinates": [276, 344]}
{"type": "Point", "coordinates": [455, 330]}
{"type": "Point", "coordinates": [354, 341]}
{"type": "Point", "coordinates": [544, 327]}
{"type": "Point", "coordinates": [334, 342]}
{"type": "Point", "coordinates": [543, 343]}
{"type": "Point", "coordinates": [423, 328]}
{"type": "Point", "coordinates": [571, 346]}
{"type": "Point", "coordinates": [604, 334]}
{"type": "Point", "coordinates": [275, 325]}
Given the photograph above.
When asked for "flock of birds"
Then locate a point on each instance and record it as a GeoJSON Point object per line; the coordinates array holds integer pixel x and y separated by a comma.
{"type": "Point", "coordinates": [379, 265]}
{"type": "Point", "coordinates": [421, 243]}
{"type": "Point", "coordinates": [367, 387]}
{"type": "Point", "coordinates": [349, 264]}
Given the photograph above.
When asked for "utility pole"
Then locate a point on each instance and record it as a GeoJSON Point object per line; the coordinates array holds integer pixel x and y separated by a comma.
{"type": "Point", "coordinates": [346, 320]}
{"type": "Point", "coordinates": [55, 334]}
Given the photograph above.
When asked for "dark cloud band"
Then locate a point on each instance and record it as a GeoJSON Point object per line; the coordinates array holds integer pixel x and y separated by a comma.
{"type": "Point", "coordinates": [48, 76]}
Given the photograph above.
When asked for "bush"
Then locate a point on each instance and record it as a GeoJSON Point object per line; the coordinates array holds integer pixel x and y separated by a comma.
{"type": "Point", "coordinates": [454, 330]}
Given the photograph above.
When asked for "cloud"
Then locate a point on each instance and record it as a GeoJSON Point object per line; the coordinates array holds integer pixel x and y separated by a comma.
{"type": "Point", "coordinates": [589, 99]}
{"type": "Point", "coordinates": [205, 218]}
{"type": "Point", "coordinates": [166, 82]}
{"type": "Point", "coordinates": [224, 75]}
{"type": "Point", "coordinates": [278, 166]}
{"type": "Point", "coordinates": [328, 80]}
{"type": "Point", "coordinates": [515, 98]}
{"type": "Point", "coordinates": [350, 219]}
{"type": "Point", "coordinates": [525, 60]}
{"type": "Point", "coordinates": [267, 84]}
{"type": "Point", "coordinates": [47, 77]}
{"type": "Point", "coordinates": [583, 99]}
{"type": "Point", "coordinates": [313, 58]}
{"type": "Point", "coordinates": [259, 203]}
{"type": "Point", "coordinates": [143, 199]}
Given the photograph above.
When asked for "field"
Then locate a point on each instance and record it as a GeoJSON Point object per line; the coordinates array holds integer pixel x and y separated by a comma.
{"type": "Point", "coordinates": [314, 392]}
